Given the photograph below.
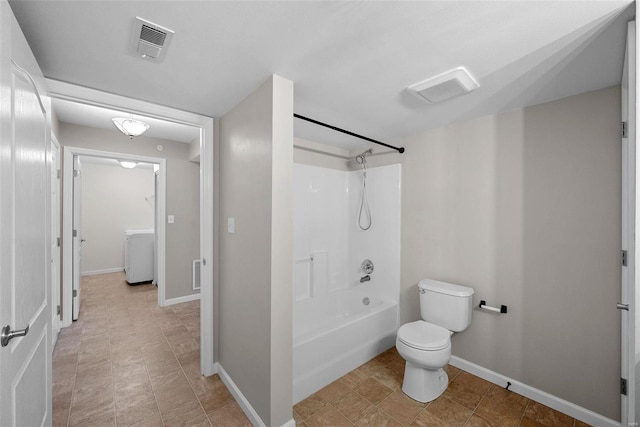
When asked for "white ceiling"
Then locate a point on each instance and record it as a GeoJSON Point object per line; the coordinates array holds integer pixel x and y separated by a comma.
{"type": "Point", "coordinates": [350, 61]}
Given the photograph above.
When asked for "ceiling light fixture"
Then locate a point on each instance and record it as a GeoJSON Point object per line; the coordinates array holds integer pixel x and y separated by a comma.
{"type": "Point", "coordinates": [127, 164]}
{"type": "Point", "coordinates": [130, 127]}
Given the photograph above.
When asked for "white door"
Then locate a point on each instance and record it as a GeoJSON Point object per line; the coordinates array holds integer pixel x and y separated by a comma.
{"type": "Point", "coordinates": [25, 362]}
{"type": "Point", "coordinates": [628, 306]}
{"type": "Point", "coordinates": [55, 239]}
{"type": "Point", "coordinates": [77, 234]}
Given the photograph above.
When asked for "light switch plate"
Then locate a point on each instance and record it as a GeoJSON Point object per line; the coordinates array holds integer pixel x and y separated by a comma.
{"type": "Point", "coordinates": [171, 219]}
{"type": "Point", "coordinates": [231, 225]}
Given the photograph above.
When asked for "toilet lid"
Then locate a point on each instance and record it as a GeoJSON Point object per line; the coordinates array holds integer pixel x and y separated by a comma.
{"type": "Point", "coordinates": [424, 335]}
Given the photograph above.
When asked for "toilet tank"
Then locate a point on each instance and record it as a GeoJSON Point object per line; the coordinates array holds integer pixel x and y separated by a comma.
{"type": "Point", "coordinates": [445, 304]}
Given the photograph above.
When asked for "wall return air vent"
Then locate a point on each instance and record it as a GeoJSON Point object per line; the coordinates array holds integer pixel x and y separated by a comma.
{"type": "Point", "coordinates": [150, 41]}
{"type": "Point", "coordinates": [444, 86]}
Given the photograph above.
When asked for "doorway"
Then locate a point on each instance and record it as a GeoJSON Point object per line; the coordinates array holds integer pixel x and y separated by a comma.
{"type": "Point", "coordinates": [71, 233]}
{"type": "Point", "coordinates": [205, 126]}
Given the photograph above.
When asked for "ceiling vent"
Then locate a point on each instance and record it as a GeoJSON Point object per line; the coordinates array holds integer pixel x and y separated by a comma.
{"type": "Point", "coordinates": [149, 40]}
{"type": "Point", "coordinates": [444, 86]}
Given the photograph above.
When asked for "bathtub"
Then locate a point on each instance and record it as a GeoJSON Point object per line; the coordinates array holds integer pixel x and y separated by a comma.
{"type": "Point", "coordinates": [337, 333]}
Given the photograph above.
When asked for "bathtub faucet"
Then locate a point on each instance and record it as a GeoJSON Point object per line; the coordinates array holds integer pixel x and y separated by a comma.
{"type": "Point", "coordinates": [365, 278]}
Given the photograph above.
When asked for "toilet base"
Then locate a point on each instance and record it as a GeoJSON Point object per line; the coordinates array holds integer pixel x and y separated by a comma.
{"type": "Point", "coordinates": [423, 385]}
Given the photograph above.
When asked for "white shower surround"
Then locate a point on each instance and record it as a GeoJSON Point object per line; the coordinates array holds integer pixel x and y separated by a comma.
{"type": "Point", "coordinates": [329, 317]}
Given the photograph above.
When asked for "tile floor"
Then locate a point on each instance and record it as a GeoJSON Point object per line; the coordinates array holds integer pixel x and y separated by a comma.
{"type": "Point", "coordinates": [128, 362]}
{"type": "Point", "coordinates": [371, 395]}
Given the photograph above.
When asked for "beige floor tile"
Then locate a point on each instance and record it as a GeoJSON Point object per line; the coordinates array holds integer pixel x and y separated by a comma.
{"type": "Point", "coordinates": [170, 398]}
{"type": "Point", "coordinates": [377, 418]}
{"type": "Point", "coordinates": [202, 384]}
{"type": "Point", "coordinates": [401, 408]}
{"type": "Point", "coordinates": [187, 411]}
{"type": "Point", "coordinates": [215, 399]}
{"type": "Point", "coordinates": [308, 406]}
{"type": "Point", "coordinates": [508, 398]}
{"type": "Point", "coordinates": [97, 393]}
{"type": "Point", "coordinates": [464, 396]}
{"type": "Point", "coordinates": [65, 361]}
{"type": "Point", "coordinates": [333, 391]}
{"type": "Point", "coordinates": [125, 353]}
{"type": "Point", "coordinates": [62, 400]}
{"type": "Point", "coordinates": [230, 415]}
{"type": "Point", "coordinates": [448, 411]}
{"type": "Point", "coordinates": [476, 421]}
{"type": "Point", "coordinates": [498, 414]}
{"type": "Point", "coordinates": [528, 422]}
{"type": "Point", "coordinates": [199, 420]}
{"type": "Point", "coordinates": [132, 392]}
{"type": "Point", "coordinates": [138, 412]}
{"type": "Point", "coordinates": [88, 411]}
{"type": "Point", "coordinates": [354, 378]}
{"type": "Point", "coordinates": [130, 374]}
{"type": "Point", "coordinates": [87, 359]}
{"type": "Point", "coordinates": [152, 421]}
{"type": "Point", "coordinates": [171, 377]}
{"type": "Point", "coordinates": [327, 417]}
{"type": "Point", "coordinates": [389, 377]}
{"type": "Point", "coordinates": [353, 406]}
{"type": "Point", "coordinates": [428, 419]}
{"type": "Point", "coordinates": [93, 373]}
{"type": "Point", "coordinates": [473, 383]}
{"type": "Point", "coordinates": [546, 416]}
{"type": "Point", "coordinates": [373, 390]}
{"type": "Point", "coordinates": [60, 417]}
{"type": "Point", "coordinates": [297, 418]}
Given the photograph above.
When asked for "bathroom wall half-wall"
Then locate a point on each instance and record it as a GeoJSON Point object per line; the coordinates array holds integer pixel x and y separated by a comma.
{"type": "Point", "coordinates": [255, 276]}
{"type": "Point", "coordinates": [524, 207]}
{"type": "Point", "coordinates": [183, 195]}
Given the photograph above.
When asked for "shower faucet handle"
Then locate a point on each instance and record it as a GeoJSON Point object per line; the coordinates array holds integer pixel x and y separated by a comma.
{"type": "Point", "coordinates": [365, 278]}
{"type": "Point", "coordinates": [367, 266]}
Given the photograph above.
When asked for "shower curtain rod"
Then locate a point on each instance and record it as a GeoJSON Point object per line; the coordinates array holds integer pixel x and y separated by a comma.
{"type": "Point", "coordinates": [298, 116]}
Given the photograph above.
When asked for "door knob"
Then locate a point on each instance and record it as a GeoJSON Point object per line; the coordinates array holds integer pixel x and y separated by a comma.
{"type": "Point", "coordinates": [7, 334]}
{"type": "Point", "coordinates": [621, 306]}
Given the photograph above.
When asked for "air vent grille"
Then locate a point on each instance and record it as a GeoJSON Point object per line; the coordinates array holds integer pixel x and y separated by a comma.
{"type": "Point", "coordinates": [444, 86]}
{"type": "Point", "coordinates": [149, 41]}
{"type": "Point", "coordinates": [151, 35]}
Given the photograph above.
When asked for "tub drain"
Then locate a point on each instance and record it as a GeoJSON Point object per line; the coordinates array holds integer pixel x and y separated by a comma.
{"type": "Point", "coordinates": [366, 300]}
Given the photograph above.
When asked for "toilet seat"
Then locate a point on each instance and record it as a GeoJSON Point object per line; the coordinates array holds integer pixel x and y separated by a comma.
{"type": "Point", "coordinates": [424, 336]}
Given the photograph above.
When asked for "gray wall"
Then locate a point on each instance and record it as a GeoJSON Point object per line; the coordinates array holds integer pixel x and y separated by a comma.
{"type": "Point", "coordinates": [255, 282]}
{"type": "Point", "coordinates": [183, 195]}
{"type": "Point", "coordinates": [105, 187]}
{"type": "Point", "coordinates": [524, 207]}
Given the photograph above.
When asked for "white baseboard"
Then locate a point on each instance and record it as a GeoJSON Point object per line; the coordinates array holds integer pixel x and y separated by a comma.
{"type": "Point", "coordinates": [104, 271]}
{"type": "Point", "coordinates": [239, 397]}
{"type": "Point", "coordinates": [564, 406]}
{"type": "Point", "coordinates": [180, 300]}
{"type": "Point", "coordinates": [242, 401]}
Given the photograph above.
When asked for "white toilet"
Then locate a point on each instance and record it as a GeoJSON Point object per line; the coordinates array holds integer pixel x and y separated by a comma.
{"type": "Point", "coordinates": [426, 344]}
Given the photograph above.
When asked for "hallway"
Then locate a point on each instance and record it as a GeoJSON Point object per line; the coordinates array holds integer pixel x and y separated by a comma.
{"type": "Point", "coordinates": [128, 362]}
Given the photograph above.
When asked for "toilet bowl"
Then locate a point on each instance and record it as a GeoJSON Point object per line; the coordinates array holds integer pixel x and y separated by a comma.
{"type": "Point", "coordinates": [426, 344]}
{"type": "Point", "coordinates": [427, 350]}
